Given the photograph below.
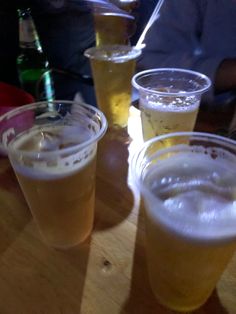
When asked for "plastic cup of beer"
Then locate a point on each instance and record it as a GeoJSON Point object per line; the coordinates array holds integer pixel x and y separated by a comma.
{"type": "Point", "coordinates": [52, 149]}
{"type": "Point", "coordinates": [113, 67]}
{"type": "Point", "coordinates": [169, 99]}
{"type": "Point", "coordinates": [189, 193]}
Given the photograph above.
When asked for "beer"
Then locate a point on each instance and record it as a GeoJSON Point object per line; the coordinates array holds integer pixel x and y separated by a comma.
{"type": "Point", "coordinates": [190, 224]}
{"type": "Point", "coordinates": [60, 192]}
{"type": "Point", "coordinates": [169, 99]}
{"type": "Point", "coordinates": [167, 114]}
{"type": "Point", "coordinates": [113, 68]}
{"type": "Point", "coordinates": [112, 28]}
{"type": "Point", "coordinates": [52, 149]}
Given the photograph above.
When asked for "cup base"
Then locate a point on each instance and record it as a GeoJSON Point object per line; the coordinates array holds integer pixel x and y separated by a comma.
{"type": "Point", "coordinates": [119, 133]}
{"type": "Point", "coordinates": [65, 247]}
{"type": "Point", "coordinates": [180, 308]}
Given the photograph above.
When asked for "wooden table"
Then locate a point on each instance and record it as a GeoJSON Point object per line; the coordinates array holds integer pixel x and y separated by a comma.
{"type": "Point", "coordinates": [105, 275]}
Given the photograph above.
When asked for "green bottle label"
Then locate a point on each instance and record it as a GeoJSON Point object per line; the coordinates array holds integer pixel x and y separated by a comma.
{"type": "Point", "coordinates": [32, 64]}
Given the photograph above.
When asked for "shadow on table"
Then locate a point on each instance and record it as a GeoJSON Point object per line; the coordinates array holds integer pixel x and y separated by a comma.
{"type": "Point", "coordinates": [114, 199]}
{"type": "Point", "coordinates": [141, 299]}
{"type": "Point", "coordinates": [213, 305]}
{"type": "Point", "coordinates": [37, 279]}
{"type": "Point", "coordinates": [15, 214]}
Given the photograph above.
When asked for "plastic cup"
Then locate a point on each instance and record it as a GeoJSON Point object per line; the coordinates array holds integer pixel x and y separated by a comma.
{"type": "Point", "coordinates": [113, 67]}
{"type": "Point", "coordinates": [189, 199]}
{"type": "Point", "coordinates": [52, 149]}
{"type": "Point", "coordinates": [169, 99]}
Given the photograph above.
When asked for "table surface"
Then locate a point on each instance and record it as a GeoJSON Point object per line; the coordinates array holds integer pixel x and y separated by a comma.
{"type": "Point", "coordinates": [107, 273]}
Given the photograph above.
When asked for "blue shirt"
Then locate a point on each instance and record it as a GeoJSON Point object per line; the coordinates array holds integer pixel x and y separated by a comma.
{"type": "Point", "coordinates": [192, 34]}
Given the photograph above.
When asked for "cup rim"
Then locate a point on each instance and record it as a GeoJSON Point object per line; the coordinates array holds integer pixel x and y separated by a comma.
{"type": "Point", "coordinates": [89, 53]}
{"type": "Point", "coordinates": [148, 143]}
{"type": "Point", "coordinates": [137, 167]}
{"type": "Point", "coordinates": [118, 14]}
{"type": "Point", "coordinates": [67, 150]}
{"type": "Point", "coordinates": [180, 93]}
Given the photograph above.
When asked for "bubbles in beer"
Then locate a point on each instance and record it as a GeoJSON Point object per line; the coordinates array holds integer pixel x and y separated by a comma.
{"type": "Point", "coordinates": [119, 55]}
{"type": "Point", "coordinates": [163, 112]}
{"type": "Point", "coordinates": [170, 103]}
{"type": "Point", "coordinates": [195, 195]}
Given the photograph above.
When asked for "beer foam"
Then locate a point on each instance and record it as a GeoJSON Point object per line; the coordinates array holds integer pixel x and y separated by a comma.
{"type": "Point", "coordinates": [117, 53]}
{"type": "Point", "coordinates": [178, 104]}
{"type": "Point", "coordinates": [46, 140]}
{"type": "Point", "coordinates": [193, 195]}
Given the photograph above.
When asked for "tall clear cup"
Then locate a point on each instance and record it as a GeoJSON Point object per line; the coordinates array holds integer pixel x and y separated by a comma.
{"type": "Point", "coordinates": [52, 149]}
{"type": "Point", "coordinates": [169, 99]}
{"type": "Point", "coordinates": [113, 67]}
{"type": "Point", "coordinates": [190, 203]}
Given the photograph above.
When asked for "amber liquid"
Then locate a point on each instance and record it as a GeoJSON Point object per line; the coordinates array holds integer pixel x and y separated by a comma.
{"type": "Point", "coordinates": [156, 123]}
{"type": "Point", "coordinates": [182, 273]}
{"type": "Point", "coordinates": [186, 252]}
{"type": "Point", "coordinates": [113, 89]}
{"type": "Point", "coordinates": [60, 191]}
{"type": "Point", "coordinates": [158, 119]}
{"type": "Point", "coordinates": [110, 29]}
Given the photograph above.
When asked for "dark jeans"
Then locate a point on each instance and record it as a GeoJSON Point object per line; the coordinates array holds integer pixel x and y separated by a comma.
{"type": "Point", "coordinates": [65, 29]}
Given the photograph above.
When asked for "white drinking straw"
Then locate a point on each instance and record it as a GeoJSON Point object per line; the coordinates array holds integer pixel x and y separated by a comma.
{"type": "Point", "coordinates": [152, 19]}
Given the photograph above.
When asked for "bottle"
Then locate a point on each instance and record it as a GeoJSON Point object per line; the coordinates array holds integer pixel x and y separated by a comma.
{"type": "Point", "coordinates": [33, 67]}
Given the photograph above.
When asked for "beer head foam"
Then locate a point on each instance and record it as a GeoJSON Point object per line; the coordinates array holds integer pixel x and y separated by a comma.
{"type": "Point", "coordinates": [114, 53]}
{"type": "Point", "coordinates": [194, 195]}
{"type": "Point", "coordinates": [169, 103]}
{"type": "Point", "coordinates": [36, 145]}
